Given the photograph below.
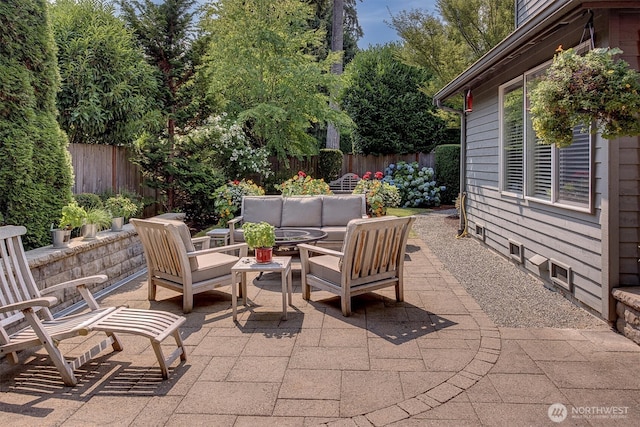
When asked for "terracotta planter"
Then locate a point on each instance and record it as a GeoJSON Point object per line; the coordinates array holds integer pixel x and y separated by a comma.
{"type": "Point", "coordinates": [264, 255]}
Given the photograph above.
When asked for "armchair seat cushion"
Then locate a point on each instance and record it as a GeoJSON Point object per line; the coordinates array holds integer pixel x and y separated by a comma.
{"type": "Point", "coordinates": [213, 265]}
{"type": "Point", "coordinates": [326, 267]}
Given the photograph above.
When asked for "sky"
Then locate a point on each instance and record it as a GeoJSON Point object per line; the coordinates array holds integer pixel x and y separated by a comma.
{"type": "Point", "coordinates": [373, 13]}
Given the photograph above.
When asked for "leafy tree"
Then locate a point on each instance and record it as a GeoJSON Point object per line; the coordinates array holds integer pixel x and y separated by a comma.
{"type": "Point", "coordinates": [447, 45]}
{"type": "Point", "coordinates": [35, 174]}
{"type": "Point", "coordinates": [259, 60]}
{"type": "Point", "coordinates": [107, 87]}
{"type": "Point", "coordinates": [382, 96]}
{"type": "Point", "coordinates": [167, 34]}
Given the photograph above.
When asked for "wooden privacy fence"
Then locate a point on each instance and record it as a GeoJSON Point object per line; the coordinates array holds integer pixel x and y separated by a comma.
{"type": "Point", "coordinates": [100, 168]}
{"type": "Point", "coordinates": [357, 164]}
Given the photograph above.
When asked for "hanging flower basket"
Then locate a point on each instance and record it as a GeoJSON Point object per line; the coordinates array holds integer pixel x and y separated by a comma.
{"type": "Point", "coordinates": [582, 90]}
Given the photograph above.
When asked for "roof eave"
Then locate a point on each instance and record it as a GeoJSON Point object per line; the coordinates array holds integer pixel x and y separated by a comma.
{"type": "Point", "coordinates": [521, 35]}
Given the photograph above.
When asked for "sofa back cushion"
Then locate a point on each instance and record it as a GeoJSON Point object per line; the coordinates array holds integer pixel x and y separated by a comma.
{"type": "Point", "coordinates": [302, 211]}
{"type": "Point", "coordinates": [338, 210]}
{"type": "Point", "coordinates": [262, 208]}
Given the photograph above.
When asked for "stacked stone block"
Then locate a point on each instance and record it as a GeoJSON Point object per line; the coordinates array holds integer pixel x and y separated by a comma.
{"type": "Point", "coordinates": [628, 311]}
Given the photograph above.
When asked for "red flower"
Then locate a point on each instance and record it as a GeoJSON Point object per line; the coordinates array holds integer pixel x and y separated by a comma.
{"type": "Point", "coordinates": [367, 175]}
{"type": "Point", "coordinates": [301, 174]}
{"type": "Point", "coordinates": [378, 175]}
{"type": "Point", "coordinates": [236, 182]}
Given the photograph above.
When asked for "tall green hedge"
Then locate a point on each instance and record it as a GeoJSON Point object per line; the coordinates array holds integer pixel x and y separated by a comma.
{"type": "Point", "coordinates": [447, 165]}
{"type": "Point", "coordinates": [35, 172]}
{"type": "Point", "coordinates": [329, 164]}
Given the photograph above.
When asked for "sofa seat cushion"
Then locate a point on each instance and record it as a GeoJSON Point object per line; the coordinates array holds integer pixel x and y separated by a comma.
{"type": "Point", "coordinates": [326, 267]}
{"type": "Point", "coordinates": [334, 233]}
{"type": "Point", "coordinates": [339, 210]}
{"type": "Point", "coordinates": [301, 212]}
{"type": "Point", "coordinates": [213, 265]}
{"type": "Point", "coordinates": [262, 208]}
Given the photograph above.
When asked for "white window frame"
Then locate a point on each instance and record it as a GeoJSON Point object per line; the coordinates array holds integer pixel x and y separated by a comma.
{"type": "Point", "coordinates": [517, 82]}
{"type": "Point", "coordinates": [528, 172]}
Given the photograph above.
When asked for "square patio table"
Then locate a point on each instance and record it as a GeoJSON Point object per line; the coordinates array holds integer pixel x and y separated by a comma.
{"type": "Point", "coordinates": [246, 265]}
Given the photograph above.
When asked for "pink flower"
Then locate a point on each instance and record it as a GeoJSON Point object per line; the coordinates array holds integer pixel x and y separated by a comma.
{"type": "Point", "coordinates": [378, 175]}
{"type": "Point", "coordinates": [367, 175]}
{"type": "Point", "coordinates": [302, 174]}
{"type": "Point", "coordinates": [355, 176]}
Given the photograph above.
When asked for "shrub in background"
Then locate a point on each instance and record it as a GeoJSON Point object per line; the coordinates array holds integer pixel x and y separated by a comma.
{"type": "Point", "coordinates": [329, 164]}
{"type": "Point", "coordinates": [448, 171]}
{"type": "Point", "coordinates": [36, 174]}
{"type": "Point", "coordinates": [302, 184]}
{"type": "Point", "coordinates": [88, 200]}
{"type": "Point", "coordinates": [228, 198]}
{"type": "Point", "coordinates": [379, 195]}
{"type": "Point", "coordinates": [417, 185]}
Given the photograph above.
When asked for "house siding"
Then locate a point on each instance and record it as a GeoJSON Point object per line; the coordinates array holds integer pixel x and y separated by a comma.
{"type": "Point", "coordinates": [625, 32]}
{"type": "Point", "coordinates": [525, 9]}
{"type": "Point", "coordinates": [567, 236]}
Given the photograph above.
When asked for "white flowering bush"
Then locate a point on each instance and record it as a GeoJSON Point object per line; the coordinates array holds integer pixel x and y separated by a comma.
{"type": "Point", "coordinates": [417, 186]}
{"type": "Point", "coordinates": [232, 150]}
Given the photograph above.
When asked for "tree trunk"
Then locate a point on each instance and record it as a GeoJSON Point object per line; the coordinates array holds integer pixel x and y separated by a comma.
{"type": "Point", "coordinates": [337, 45]}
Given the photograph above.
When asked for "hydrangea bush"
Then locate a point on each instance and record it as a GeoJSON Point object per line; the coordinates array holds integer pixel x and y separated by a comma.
{"type": "Point", "coordinates": [417, 186]}
{"type": "Point", "coordinates": [379, 195]}
{"type": "Point", "coordinates": [302, 184]}
{"type": "Point", "coordinates": [228, 198]}
{"type": "Point", "coordinates": [233, 151]}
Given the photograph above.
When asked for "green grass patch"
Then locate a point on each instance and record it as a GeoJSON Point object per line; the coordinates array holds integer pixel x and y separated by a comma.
{"type": "Point", "coordinates": [407, 211]}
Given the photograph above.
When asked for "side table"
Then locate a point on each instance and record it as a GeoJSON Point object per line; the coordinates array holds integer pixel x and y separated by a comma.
{"type": "Point", "coordinates": [220, 235]}
{"type": "Point", "coordinates": [245, 265]}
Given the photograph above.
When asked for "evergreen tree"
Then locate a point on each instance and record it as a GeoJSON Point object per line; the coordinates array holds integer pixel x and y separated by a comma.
{"type": "Point", "coordinates": [35, 173]}
{"type": "Point", "coordinates": [167, 33]}
{"type": "Point", "coordinates": [382, 95]}
{"type": "Point", "coordinates": [108, 89]}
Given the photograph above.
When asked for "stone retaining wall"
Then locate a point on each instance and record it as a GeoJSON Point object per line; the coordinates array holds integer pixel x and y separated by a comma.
{"type": "Point", "coordinates": [116, 254]}
{"type": "Point", "coordinates": [628, 310]}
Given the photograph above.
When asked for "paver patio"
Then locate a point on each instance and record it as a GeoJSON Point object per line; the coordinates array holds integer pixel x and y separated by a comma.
{"type": "Point", "coordinates": [435, 359]}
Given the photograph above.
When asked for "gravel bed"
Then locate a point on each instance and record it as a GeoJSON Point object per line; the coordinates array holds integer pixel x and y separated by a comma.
{"type": "Point", "coordinates": [507, 294]}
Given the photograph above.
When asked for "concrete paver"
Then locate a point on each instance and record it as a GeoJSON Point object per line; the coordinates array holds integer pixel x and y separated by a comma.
{"type": "Point", "coordinates": [434, 360]}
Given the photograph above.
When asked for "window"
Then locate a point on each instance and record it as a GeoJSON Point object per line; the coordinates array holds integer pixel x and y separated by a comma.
{"type": "Point", "coordinates": [512, 136]}
{"type": "Point", "coordinates": [558, 175]}
{"type": "Point", "coordinates": [539, 172]}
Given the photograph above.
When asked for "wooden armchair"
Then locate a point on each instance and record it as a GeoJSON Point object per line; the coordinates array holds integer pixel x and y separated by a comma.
{"type": "Point", "coordinates": [26, 321]}
{"type": "Point", "coordinates": [372, 258]}
{"type": "Point", "coordinates": [173, 262]}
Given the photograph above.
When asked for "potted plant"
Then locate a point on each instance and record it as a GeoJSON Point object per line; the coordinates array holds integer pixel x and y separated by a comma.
{"type": "Point", "coordinates": [121, 208]}
{"type": "Point", "coordinates": [261, 237]}
{"type": "Point", "coordinates": [96, 219]}
{"type": "Point", "coordinates": [73, 216]}
{"type": "Point", "coordinates": [582, 90]}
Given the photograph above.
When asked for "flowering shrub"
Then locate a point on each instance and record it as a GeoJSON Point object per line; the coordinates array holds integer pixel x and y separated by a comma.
{"type": "Point", "coordinates": [380, 195]}
{"type": "Point", "coordinates": [228, 198]}
{"type": "Point", "coordinates": [417, 186]}
{"type": "Point", "coordinates": [302, 184]}
{"type": "Point", "coordinates": [230, 147]}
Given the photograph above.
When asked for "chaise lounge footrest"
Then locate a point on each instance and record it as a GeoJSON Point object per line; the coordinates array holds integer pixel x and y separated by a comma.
{"type": "Point", "coordinates": [152, 324]}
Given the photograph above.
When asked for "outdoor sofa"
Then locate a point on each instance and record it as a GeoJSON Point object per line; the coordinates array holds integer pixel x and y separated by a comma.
{"type": "Point", "coordinates": [329, 213]}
